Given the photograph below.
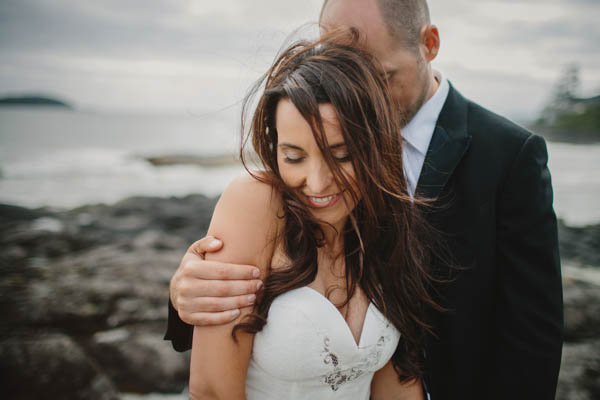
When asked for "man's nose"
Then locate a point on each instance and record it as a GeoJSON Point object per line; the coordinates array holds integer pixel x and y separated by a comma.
{"type": "Point", "coordinates": [319, 178]}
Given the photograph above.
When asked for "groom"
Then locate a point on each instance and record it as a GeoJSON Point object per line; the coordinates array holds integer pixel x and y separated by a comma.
{"type": "Point", "coordinates": [501, 337]}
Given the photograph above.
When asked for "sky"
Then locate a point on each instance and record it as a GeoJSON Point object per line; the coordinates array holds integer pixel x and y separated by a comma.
{"type": "Point", "coordinates": [170, 56]}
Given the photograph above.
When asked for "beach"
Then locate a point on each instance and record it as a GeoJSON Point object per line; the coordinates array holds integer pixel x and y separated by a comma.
{"type": "Point", "coordinates": [84, 295]}
{"type": "Point", "coordinates": [97, 210]}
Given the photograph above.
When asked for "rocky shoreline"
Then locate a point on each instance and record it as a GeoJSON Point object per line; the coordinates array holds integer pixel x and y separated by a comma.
{"type": "Point", "coordinates": [84, 292]}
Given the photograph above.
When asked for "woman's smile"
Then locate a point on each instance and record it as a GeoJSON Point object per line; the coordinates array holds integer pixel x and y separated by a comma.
{"type": "Point", "coordinates": [323, 202]}
{"type": "Point", "coordinates": [303, 166]}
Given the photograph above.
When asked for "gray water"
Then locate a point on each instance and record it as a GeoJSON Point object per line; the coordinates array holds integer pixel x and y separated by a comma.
{"type": "Point", "coordinates": [61, 158]}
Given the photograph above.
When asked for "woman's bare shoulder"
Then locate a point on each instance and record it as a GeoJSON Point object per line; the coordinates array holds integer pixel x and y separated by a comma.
{"type": "Point", "coordinates": [250, 192]}
{"type": "Point", "coordinates": [247, 218]}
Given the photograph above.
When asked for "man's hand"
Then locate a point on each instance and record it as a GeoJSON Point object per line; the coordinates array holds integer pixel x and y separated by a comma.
{"type": "Point", "coordinates": [209, 292]}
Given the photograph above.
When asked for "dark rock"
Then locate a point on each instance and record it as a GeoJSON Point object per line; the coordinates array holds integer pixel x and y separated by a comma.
{"type": "Point", "coordinates": [581, 310]}
{"type": "Point", "coordinates": [579, 377]}
{"type": "Point", "coordinates": [580, 244]}
{"type": "Point", "coordinates": [51, 366]}
{"type": "Point", "coordinates": [92, 284]}
{"type": "Point", "coordinates": [95, 290]}
{"type": "Point", "coordinates": [69, 278]}
{"type": "Point", "coordinates": [140, 361]}
{"type": "Point", "coordinates": [10, 213]}
{"type": "Point", "coordinates": [218, 160]}
{"type": "Point", "coordinates": [186, 218]}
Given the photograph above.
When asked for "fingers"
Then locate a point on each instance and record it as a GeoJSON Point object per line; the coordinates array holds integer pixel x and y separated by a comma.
{"type": "Point", "coordinates": [207, 244]}
{"type": "Point", "coordinates": [216, 288]}
{"type": "Point", "coordinates": [217, 304]}
{"type": "Point", "coordinates": [203, 311]}
{"type": "Point", "coordinates": [213, 270]}
{"type": "Point", "coordinates": [207, 319]}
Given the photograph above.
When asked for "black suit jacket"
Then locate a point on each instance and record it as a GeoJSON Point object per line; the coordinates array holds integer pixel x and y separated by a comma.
{"type": "Point", "coordinates": [501, 336]}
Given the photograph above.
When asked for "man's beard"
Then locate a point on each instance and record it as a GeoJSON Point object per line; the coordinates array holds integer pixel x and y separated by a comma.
{"type": "Point", "coordinates": [408, 112]}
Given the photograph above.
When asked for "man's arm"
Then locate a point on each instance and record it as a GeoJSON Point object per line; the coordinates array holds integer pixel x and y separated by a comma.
{"type": "Point", "coordinates": [529, 313]}
{"type": "Point", "coordinates": [207, 292]}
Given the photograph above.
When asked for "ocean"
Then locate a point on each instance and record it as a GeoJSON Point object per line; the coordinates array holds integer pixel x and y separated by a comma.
{"type": "Point", "coordinates": [64, 159]}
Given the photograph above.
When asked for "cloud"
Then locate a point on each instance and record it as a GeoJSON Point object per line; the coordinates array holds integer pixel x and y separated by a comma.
{"type": "Point", "coordinates": [117, 48]}
{"type": "Point", "coordinates": [497, 47]}
{"type": "Point", "coordinates": [197, 54]}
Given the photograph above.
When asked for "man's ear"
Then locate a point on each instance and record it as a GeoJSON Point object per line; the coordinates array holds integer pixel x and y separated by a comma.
{"type": "Point", "coordinates": [430, 42]}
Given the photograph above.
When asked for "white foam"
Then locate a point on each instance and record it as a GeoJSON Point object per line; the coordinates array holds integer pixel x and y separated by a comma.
{"type": "Point", "coordinates": [73, 178]}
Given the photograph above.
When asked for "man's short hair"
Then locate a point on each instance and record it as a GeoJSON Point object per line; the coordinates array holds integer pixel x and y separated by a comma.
{"type": "Point", "coordinates": [404, 19]}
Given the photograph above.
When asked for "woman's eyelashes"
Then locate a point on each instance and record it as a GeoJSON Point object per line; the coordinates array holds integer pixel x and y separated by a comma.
{"type": "Point", "coordinates": [292, 160]}
{"type": "Point", "coordinates": [340, 157]}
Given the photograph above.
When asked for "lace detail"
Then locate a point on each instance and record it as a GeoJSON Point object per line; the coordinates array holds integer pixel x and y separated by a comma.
{"type": "Point", "coordinates": [307, 352]}
{"type": "Point", "coordinates": [339, 375]}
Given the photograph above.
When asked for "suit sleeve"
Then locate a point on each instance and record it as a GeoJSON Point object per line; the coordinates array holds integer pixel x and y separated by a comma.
{"type": "Point", "coordinates": [178, 332]}
{"type": "Point", "coordinates": [529, 314]}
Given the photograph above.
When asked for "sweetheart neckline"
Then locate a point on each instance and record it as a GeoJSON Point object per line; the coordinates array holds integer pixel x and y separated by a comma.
{"type": "Point", "coordinates": [357, 345]}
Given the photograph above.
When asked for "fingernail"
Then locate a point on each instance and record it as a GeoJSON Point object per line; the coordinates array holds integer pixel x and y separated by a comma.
{"type": "Point", "coordinates": [215, 242]}
{"type": "Point", "coordinates": [258, 286]}
{"type": "Point", "coordinates": [251, 298]}
{"type": "Point", "coordinates": [235, 313]}
{"type": "Point", "coordinates": [256, 273]}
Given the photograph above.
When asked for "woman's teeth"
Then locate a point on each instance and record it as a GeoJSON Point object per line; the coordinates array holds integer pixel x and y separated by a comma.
{"type": "Point", "coordinates": [322, 200]}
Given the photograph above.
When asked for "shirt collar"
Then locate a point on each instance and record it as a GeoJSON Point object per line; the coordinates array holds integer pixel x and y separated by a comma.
{"type": "Point", "coordinates": [419, 130]}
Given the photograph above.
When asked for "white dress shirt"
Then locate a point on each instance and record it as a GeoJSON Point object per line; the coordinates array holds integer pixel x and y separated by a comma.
{"type": "Point", "coordinates": [418, 132]}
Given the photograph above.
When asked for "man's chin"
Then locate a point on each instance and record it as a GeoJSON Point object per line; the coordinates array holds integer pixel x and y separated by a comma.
{"type": "Point", "coordinates": [407, 115]}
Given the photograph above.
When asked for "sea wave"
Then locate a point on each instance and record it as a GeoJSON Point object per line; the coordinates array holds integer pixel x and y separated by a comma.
{"type": "Point", "coordinates": [73, 178]}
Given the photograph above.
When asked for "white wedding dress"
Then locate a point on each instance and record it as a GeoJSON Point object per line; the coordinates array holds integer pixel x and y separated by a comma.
{"type": "Point", "coordinates": [307, 351]}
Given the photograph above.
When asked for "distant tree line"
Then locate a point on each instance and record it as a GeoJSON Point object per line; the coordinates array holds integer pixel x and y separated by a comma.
{"type": "Point", "coordinates": [568, 117]}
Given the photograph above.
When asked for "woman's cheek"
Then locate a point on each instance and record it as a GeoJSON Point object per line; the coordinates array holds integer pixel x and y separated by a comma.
{"type": "Point", "coordinates": [288, 175]}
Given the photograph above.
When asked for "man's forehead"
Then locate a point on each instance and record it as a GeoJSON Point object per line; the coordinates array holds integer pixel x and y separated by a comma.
{"type": "Point", "coordinates": [363, 15]}
{"type": "Point", "coordinates": [360, 14]}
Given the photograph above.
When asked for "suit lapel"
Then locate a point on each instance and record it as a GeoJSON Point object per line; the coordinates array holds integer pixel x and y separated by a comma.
{"type": "Point", "coordinates": [448, 145]}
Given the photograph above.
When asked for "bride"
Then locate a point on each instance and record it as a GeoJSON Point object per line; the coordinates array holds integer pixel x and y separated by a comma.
{"type": "Point", "coordinates": [338, 240]}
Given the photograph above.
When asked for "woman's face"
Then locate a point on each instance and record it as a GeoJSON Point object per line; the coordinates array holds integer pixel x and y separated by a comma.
{"type": "Point", "coordinates": [303, 167]}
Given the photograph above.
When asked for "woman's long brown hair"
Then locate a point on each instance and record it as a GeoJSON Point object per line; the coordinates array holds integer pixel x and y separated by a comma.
{"type": "Point", "coordinates": [386, 241]}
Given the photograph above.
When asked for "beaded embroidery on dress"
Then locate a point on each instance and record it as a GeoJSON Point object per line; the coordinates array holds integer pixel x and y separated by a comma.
{"type": "Point", "coordinates": [307, 351]}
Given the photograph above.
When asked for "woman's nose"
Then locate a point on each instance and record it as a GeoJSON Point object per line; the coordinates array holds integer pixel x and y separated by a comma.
{"type": "Point", "coordinates": [319, 178]}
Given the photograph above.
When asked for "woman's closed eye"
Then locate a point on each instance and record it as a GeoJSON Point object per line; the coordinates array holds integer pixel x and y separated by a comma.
{"type": "Point", "coordinates": [293, 159]}
{"type": "Point", "coordinates": [342, 156]}
{"type": "Point", "coordinates": [339, 153]}
{"type": "Point", "coordinates": [292, 156]}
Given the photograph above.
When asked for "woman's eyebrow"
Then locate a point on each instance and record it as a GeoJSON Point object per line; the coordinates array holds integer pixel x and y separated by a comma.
{"type": "Point", "coordinates": [291, 146]}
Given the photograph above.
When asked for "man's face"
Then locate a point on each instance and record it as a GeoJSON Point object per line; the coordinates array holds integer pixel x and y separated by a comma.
{"type": "Point", "coordinates": [406, 69]}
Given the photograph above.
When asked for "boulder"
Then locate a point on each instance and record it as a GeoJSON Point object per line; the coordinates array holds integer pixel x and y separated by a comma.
{"type": "Point", "coordinates": [580, 244]}
{"type": "Point", "coordinates": [579, 377]}
{"type": "Point", "coordinates": [140, 361]}
{"type": "Point", "coordinates": [51, 366]}
{"type": "Point", "coordinates": [581, 310]}
{"type": "Point", "coordinates": [92, 284]}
